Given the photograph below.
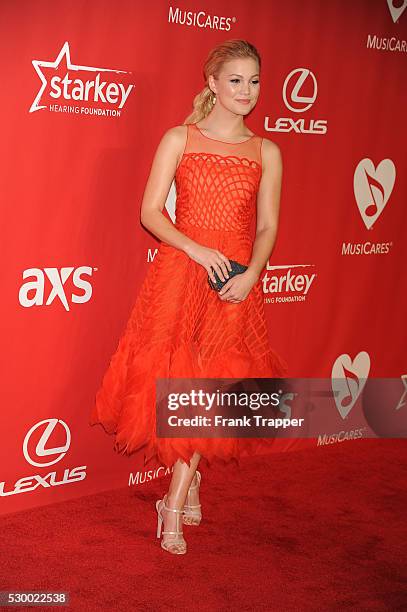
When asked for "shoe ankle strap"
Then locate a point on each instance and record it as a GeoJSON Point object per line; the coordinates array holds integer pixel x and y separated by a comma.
{"type": "Point", "coordinates": [198, 477]}
{"type": "Point", "coordinates": [172, 509]}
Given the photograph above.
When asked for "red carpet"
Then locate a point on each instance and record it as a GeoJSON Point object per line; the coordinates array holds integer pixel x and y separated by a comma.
{"type": "Point", "coordinates": [313, 530]}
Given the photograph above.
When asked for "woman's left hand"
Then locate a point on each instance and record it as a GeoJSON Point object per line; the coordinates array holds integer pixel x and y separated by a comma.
{"type": "Point", "coordinates": [238, 287]}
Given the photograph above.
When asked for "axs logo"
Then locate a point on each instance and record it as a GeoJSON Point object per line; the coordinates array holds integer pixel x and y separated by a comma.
{"type": "Point", "coordinates": [53, 283]}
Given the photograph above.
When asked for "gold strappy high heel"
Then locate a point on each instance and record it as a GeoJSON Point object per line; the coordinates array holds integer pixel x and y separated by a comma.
{"type": "Point", "coordinates": [177, 541]}
{"type": "Point", "coordinates": [193, 512]}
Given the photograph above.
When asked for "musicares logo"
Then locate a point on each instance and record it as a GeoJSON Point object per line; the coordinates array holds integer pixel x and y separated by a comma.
{"type": "Point", "coordinates": [396, 11]}
{"type": "Point", "coordinates": [200, 19]}
{"type": "Point", "coordinates": [348, 379]}
{"type": "Point", "coordinates": [142, 477]}
{"type": "Point", "coordinates": [110, 97]}
{"type": "Point", "coordinates": [390, 43]}
{"type": "Point", "coordinates": [373, 188]}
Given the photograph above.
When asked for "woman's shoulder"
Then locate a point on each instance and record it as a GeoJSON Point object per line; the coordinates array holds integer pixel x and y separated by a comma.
{"type": "Point", "coordinates": [177, 132]}
{"type": "Point", "coordinates": [176, 137]}
{"type": "Point", "coordinates": [271, 157]}
{"type": "Point", "coordinates": [270, 149]}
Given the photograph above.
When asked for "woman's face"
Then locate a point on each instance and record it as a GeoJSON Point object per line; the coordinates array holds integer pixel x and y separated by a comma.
{"type": "Point", "coordinates": [238, 85]}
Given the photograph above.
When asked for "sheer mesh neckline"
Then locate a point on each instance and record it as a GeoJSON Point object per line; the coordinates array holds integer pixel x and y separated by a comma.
{"type": "Point", "coordinates": [222, 141]}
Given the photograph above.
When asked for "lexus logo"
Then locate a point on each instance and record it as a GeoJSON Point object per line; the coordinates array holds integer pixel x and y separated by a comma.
{"type": "Point", "coordinates": [292, 90]}
{"type": "Point", "coordinates": [37, 457]}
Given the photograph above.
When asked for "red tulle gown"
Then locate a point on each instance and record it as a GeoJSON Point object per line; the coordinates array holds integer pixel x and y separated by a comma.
{"type": "Point", "coordinates": [179, 328]}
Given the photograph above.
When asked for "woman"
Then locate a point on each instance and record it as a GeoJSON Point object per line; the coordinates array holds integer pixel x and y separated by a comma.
{"type": "Point", "coordinates": [180, 327]}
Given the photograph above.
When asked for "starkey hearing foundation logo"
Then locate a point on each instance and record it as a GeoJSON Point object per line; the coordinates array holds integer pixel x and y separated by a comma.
{"type": "Point", "coordinates": [76, 89]}
{"type": "Point", "coordinates": [287, 283]}
{"type": "Point", "coordinates": [372, 187]}
{"type": "Point", "coordinates": [299, 93]}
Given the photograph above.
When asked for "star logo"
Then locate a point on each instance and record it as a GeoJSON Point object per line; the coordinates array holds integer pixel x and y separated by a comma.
{"type": "Point", "coordinates": [77, 89]}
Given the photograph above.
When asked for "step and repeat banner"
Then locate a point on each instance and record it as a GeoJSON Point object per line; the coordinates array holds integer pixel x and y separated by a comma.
{"type": "Point", "coordinates": [88, 89]}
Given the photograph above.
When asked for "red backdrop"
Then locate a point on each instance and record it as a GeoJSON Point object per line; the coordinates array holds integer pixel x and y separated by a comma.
{"type": "Point", "coordinates": [88, 89]}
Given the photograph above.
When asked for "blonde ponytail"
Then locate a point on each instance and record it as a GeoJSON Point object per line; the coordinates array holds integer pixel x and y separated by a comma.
{"type": "Point", "coordinates": [202, 105]}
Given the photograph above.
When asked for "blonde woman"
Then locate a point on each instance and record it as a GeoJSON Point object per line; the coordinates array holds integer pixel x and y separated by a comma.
{"type": "Point", "coordinates": [181, 327]}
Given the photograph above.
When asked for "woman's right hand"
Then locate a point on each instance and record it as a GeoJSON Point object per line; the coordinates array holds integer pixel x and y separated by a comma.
{"type": "Point", "coordinates": [212, 260]}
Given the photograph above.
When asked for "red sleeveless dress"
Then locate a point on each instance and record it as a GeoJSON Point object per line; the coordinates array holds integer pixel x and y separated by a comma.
{"type": "Point", "coordinates": [179, 328]}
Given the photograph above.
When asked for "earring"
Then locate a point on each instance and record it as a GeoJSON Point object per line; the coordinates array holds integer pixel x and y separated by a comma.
{"type": "Point", "coordinates": [214, 99]}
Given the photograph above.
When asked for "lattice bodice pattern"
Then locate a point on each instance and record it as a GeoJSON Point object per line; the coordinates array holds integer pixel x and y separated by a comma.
{"type": "Point", "coordinates": [217, 190]}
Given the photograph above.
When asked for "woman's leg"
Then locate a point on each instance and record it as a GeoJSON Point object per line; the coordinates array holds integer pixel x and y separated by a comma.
{"type": "Point", "coordinates": [182, 477]}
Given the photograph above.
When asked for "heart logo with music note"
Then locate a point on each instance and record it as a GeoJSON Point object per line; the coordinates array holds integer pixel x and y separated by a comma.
{"type": "Point", "coordinates": [373, 187]}
{"type": "Point", "coordinates": [396, 11]}
{"type": "Point", "coordinates": [348, 379]}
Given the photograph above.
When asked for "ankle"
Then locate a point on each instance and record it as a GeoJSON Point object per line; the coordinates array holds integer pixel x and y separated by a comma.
{"type": "Point", "coordinates": [172, 502]}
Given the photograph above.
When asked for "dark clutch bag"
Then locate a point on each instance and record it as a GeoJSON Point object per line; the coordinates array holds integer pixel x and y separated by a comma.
{"type": "Point", "coordinates": [237, 268]}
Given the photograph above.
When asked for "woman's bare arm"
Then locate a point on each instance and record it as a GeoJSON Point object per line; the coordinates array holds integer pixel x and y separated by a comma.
{"type": "Point", "coordinates": [158, 186]}
{"type": "Point", "coordinates": [268, 206]}
{"type": "Point", "coordinates": [164, 165]}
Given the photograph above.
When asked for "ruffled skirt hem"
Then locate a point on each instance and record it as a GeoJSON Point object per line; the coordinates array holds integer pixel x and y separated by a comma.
{"type": "Point", "coordinates": [126, 402]}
